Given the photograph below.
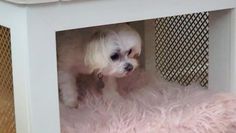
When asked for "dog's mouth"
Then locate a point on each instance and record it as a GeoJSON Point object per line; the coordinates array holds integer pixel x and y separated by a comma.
{"type": "Point", "coordinates": [120, 75]}
{"type": "Point", "coordinates": [128, 73]}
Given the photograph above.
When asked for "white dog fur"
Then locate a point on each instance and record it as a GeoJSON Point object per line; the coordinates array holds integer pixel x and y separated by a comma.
{"type": "Point", "coordinates": [106, 50]}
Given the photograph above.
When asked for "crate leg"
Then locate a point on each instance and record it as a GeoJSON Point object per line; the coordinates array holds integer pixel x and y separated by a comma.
{"type": "Point", "coordinates": [34, 67]}
{"type": "Point", "coordinates": [222, 50]}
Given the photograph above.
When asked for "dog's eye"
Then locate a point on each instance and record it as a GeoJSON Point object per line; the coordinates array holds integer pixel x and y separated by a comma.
{"type": "Point", "coordinates": [115, 56]}
{"type": "Point", "coordinates": [130, 51]}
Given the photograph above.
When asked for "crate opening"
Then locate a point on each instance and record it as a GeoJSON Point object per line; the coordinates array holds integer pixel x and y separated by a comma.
{"type": "Point", "coordinates": [176, 47]}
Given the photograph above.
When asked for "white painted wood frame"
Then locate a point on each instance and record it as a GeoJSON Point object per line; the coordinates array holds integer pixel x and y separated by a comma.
{"type": "Point", "coordinates": [33, 43]}
{"type": "Point", "coordinates": [222, 50]}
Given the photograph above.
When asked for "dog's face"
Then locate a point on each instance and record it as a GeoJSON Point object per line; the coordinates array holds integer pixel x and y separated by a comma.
{"type": "Point", "coordinates": [113, 52]}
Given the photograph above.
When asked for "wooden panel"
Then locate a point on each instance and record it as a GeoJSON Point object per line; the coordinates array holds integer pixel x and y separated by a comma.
{"type": "Point", "coordinates": [71, 15]}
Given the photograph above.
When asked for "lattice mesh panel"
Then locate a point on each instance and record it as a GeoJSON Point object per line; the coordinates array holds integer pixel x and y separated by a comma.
{"type": "Point", "coordinates": [7, 118]}
{"type": "Point", "coordinates": [182, 48]}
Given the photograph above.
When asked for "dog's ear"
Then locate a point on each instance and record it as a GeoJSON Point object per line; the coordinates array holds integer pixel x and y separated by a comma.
{"type": "Point", "coordinates": [96, 54]}
{"type": "Point", "coordinates": [132, 37]}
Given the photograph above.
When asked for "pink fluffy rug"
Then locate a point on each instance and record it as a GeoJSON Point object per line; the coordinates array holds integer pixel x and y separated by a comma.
{"type": "Point", "coordinates": [148, 105]}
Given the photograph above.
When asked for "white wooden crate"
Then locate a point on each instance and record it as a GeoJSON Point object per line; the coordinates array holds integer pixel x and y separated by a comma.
{"type": "Point", "coordinates": [33, 29]}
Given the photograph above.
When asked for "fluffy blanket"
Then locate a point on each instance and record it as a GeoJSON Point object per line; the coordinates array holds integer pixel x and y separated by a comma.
{"type": "Point", "coordinates": [148, 105]}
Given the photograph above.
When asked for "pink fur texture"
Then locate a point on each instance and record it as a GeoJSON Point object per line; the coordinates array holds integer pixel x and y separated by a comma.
{"type": "Point", "coordinates": [153, 106]}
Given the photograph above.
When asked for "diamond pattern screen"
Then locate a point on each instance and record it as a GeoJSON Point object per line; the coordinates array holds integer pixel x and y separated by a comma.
{"type": "Point", "coordinates": [7, 117]}
{"type": "Point", "coordinates": [182, 45]}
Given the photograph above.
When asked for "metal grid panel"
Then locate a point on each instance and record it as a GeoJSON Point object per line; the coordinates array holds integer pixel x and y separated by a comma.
{"type": "Point", "coordinates": [7, 118]}
{"type": "Point", "coordinates": [182, 48]}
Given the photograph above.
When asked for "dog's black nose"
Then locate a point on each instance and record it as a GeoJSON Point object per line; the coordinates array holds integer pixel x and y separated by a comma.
{"type": "Point", "coordinates": [128, 67]}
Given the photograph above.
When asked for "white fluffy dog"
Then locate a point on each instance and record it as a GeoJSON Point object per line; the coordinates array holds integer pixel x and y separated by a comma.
{"type": "Point", "coordinates": [105, 51]}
